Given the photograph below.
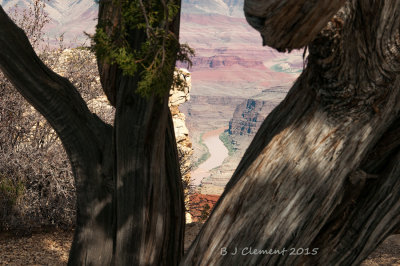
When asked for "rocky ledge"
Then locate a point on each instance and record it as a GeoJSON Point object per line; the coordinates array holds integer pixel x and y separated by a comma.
{"type": "Point", "coordinates": [250, 114]}
{"type": "Point", "coordinates": [178, 96]}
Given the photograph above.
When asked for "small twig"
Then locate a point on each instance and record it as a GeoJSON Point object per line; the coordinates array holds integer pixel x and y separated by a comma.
{"type": "Point", "coordinates": [148, 28]}
{"type": "Point", "coordinates": [152, 63]}
{"type": "Point", "coordinates": [166, 29]}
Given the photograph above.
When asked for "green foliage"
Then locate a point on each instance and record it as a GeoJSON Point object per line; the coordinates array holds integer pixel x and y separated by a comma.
{"type": "Point", "coordinates": [205, 212]}
{"type": "Point", "coordinates": [203, 158]}
{"type": "Point", "coordinates": [10, 191]}
{"type": "Point", "coordinates": [185, 54]}
{"type": "Point", "coordinates": [205, 155]}
{"type": "Point", "coordinates": [224, 137]}
{"type": "Point", "coordinates": [155, 60]}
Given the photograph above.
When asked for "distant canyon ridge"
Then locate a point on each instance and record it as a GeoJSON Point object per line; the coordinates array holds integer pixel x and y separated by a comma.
{"type": "Point", "coordinates": [235, 81]}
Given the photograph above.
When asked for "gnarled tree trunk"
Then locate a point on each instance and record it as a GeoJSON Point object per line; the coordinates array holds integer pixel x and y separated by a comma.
{"type": "Point", "coordinates": [130, 207]}
{"type": "Point", "coordinates": [321, 177]}
{"type": "Point", "coordinates": [321, 174]}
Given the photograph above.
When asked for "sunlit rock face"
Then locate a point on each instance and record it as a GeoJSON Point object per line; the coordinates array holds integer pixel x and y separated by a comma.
{"type": "Point", "coordinates": [250, 114]}
{"type": "Point", "coordinates": [179, 95]}
{"type": "Point", "coordinates": [247, 118]}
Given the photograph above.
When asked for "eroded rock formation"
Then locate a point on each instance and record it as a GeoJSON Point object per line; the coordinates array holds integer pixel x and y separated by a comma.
{"type": "Point", "coordinates": [179, 95]}
{"type": "Point", "coordinates": [250, 114]}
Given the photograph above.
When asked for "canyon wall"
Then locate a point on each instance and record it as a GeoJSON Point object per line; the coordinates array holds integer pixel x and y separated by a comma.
{"type": "Point", "coordinates": [250, 113]}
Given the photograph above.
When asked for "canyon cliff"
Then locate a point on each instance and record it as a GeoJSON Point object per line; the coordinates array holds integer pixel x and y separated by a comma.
{"type": "Point", "coordinates": [178, 96]}
{"type": "Point", "coordinates": [250, 114]}
{"type": "Point", "coordinates": [246, 117]}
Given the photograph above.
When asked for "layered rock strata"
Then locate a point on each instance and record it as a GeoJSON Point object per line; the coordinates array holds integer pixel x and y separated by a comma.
{"type": "Point", "coordinates": [250, 114]}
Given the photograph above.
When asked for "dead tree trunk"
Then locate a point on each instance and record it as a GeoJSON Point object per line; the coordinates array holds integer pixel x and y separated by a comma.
{"type": "Point", "coordinates": [322, 174]}
{"type": "Point", "coordinates": [130, 208]}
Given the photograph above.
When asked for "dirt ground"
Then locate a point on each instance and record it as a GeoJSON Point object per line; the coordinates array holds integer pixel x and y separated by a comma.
{"type": "Point", "coordinates": [388, 253]}
{"type": "Point", "coordinates": [52, 248]}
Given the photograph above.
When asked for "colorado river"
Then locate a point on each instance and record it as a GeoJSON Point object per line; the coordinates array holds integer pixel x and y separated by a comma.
{"type": "Point", "coordinates": [218, 153]}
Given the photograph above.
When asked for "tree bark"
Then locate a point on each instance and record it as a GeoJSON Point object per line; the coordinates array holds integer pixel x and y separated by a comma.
{"type": "Point", "coordinates": [130, 207]}
{"type": "Point", "coordinates": [85, 138]}
{"type": "Point", "coordinates": [322, 172]}
{"type": "Point", "coordinates": [149, 209]}
{"type": "Point", "coordinates": [289, 24]}
{"type": "Point", "coordinates": [110, 75]}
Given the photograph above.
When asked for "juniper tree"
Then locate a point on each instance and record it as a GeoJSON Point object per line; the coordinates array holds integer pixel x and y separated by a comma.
{"type": "Point", "coordinates": [322, 172]}
{"type": "Point", "coordinates": [130, 207]}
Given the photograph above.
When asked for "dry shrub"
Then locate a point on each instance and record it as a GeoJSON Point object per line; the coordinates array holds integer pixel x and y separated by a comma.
{"type": "Point", "coordinates": [32, 155]}
{"type": "Point", "coordinates": [36, 182]}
